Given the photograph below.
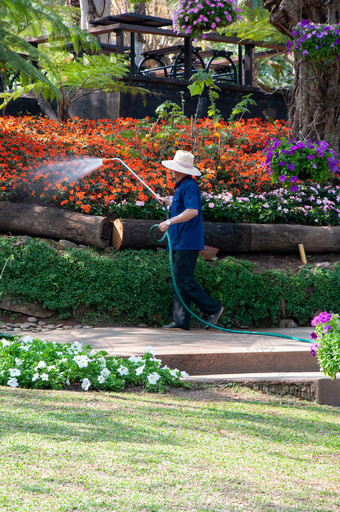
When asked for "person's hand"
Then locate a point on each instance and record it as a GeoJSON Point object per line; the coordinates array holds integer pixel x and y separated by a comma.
{"type": "Point", "coordinates": [163, 226]}
{"type": "Point", "coordinates": [165, 200]}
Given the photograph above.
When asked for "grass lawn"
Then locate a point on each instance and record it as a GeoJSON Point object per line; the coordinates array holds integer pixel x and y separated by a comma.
{"type": "Point", "coordinates": [208, 450]}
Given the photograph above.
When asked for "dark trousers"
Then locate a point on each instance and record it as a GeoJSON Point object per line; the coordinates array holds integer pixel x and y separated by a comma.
{"type": "Point", "coordinates": [184, 262]}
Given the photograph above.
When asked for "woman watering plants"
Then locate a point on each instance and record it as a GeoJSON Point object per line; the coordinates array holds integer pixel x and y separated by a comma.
{"type": "Point", "coordinates": [187, 239]}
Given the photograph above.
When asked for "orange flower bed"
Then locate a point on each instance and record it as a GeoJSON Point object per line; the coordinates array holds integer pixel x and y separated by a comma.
{"type": "Point", "coordinates": [229, 157]}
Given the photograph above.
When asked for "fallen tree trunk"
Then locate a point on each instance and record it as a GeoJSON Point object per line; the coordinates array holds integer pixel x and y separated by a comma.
{"type": "Point", "coordinates": [236, 238]}
{"type": "Point", "coordinates": [47, 222]}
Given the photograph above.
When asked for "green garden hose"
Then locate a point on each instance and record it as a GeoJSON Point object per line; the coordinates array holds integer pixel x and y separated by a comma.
{"type": "Point", "coordinates": [166, 235]}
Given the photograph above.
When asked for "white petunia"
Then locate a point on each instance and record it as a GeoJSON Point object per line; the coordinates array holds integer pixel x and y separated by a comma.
{"type": "Point", "coordinates": [27, 339]}
{"type": "Point", "coordinates": [165, 367]}
{"type": "Point", "coordinates": [13, 382]}
{"type": "Point", "coordinates": [185, 375]}
{"type": "Point", "coordinates": [140, 370]}
{"type": "Point", "coordinates": [68, 382]}
{"type": "Point", "coordinates": [122, 370]}
{"type": "Point", "coordinates": [24, 347]}
{"type": "Point", "coordinates": [44, 376]}
{"type": "Point", "coordinates": [77, 345]}
{"type": "Point", "coordinates": [18, 361]}
{"type": "Point", "coordinates": [101, 379]}
{"type": "Point", "coordinates": [5, 343]}
{"type": "Point", "coordinates": [158, 361]}
{"type": "Point", "coordinates": [82, 361]}
{"type": "Point", "coordinates": [105, 372]}
{"type": "Point", "coordinates": [41, 364]}
{"type": "Point", "coordinates": [135, 359]}
{"type": "Point", "coordinates": [35, 377]}
{"type": "Point", "coordinates": [86, 384]}
{"type": "Point", "coordinates": [93, 352]}
{"type": "Point", "coordinates": [174, 373]}
{"type": "Point", "coordinates": [14, 372]}
{"type": "Point", "coordinates": [153, 378]}
{"type": "Point", "coordinates": [149, 349]}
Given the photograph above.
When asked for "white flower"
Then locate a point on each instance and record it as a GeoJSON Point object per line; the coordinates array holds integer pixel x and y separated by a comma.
{"type": "Point", "coordinates": [153, 378]}
{"type": "Point", "coordinates": [68, 382]}
{"type": "Point", "coordinates": [64, 360]}
{"type": "Point", "coordinates": [174, 373]}
{"type": "Point", "coordinates": [149, 349]}
{"type": "Point", "coordinates": [44, 376]}
{"type": "Point", "coordinates": [14, 372]}
{"type": "Point", "coordinates": [165, 367]}
{"type": "Point", "coordinates": [5, 343]}
{"type": "Point", "coordinates": [102, 361]}
{"type": "Point", "coordinates": [35, 377]}
{"type": "Point", "coordinates": [86, 384]}
{"type": "Point", "coordinates": [41, 364]}
{"type": "Point", "coordinates": [93, 352]}
{"type": "Point", "coordinates": [105, 372]}
{"type": "Point", "coordinates": [52, 367]}
{"type": "Point", "coordinates": [185, 375]}
{"type": "Point", "coordinates": [140, 370]}
{"type": "Point", "coordinates": [18, 361]}
{"type": "Point", "coordinates": [24, 347]}
{"type": "Point", "coordinates": [82, 361]}
{"type": "Point", "coordinates": [135, 359]}
{"type": "Point", "coordinates": [77, 345]}
{"type": "Point", "coordinates": [27, 339]}
{"type": "Point", "coordinates": [122, 370]}
{"type": "Point", "coordinates": [158, 361]}
{"type": "Point", "coordinates": [101, 379]}
{"type": "Point", "coordinates": [13, 382]}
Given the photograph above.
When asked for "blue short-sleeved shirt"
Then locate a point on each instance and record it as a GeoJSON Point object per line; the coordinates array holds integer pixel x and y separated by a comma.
{"type": "Point", "coordinates": [187, 235]}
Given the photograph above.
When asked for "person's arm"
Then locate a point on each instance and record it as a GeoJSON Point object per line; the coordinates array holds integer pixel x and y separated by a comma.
{"type": "Point", "coordinates": [185, 216]}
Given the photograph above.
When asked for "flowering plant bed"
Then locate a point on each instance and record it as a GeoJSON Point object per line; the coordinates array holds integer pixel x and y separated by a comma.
{"type": "Point", "coordinates": [28, 362]}
{"type": "Point", "coordinates": [290, 161]}
{"type": "Point", "coordinates": [316, 41]}
{"type": "Point", "coordinates": [327, 342]}
{"type": "Point", "coordinates": [197, 16]}
{"type": "Point", "coordinates": [235, 184]}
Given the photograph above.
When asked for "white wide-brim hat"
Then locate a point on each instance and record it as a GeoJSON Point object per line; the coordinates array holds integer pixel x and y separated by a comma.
{"type": "Point", "coordinates": [182, 162]}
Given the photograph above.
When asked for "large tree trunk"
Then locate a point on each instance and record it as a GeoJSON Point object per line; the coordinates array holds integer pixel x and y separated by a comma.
{"type": "Point", "coordinates": [47, 222]}
{"type": "Point", "coordinates": [92, 10]}
{"type": "Point", "coordinates": [235, 238]}
{"type": "Point", "coordinates": [315, 101]}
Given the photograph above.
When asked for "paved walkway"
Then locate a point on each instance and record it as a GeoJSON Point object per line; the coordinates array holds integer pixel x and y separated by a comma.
{"type": "Point", "coordinates": [123, 341]}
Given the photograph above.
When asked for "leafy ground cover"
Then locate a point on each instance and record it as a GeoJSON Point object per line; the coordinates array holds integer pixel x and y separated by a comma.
{"type": "Point", "coordinates": [235, 184]}
{"type": "Point", "coordinates": [209, 450]}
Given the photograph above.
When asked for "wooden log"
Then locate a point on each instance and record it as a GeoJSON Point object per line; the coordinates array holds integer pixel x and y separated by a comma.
{"type": "Point", "coordinates": [48, 222]}
{"type": "Point", "coordinates": [236, 238]}
{"type": "Point", "coordinates": [135, 234]}
{"type": "Point", "coordinates": [272, 237]}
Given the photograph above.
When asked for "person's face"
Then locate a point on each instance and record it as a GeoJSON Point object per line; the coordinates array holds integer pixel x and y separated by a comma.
{"type": "Point", "coordinates": [178, 175]}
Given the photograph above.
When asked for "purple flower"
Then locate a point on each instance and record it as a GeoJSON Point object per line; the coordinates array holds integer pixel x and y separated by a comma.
{"type": "Point", "coordinates": [294, 188]}
{"type": "Point", "coordinates": [313, 335]}
{"type": "Point", "coordinates": [314, 349]}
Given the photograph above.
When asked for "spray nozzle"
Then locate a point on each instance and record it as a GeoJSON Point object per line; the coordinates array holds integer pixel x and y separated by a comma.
{"type": "Point", "coordinates": [106, 161]}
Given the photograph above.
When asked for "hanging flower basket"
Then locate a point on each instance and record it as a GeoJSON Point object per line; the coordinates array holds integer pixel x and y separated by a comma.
{"type": "Point", "coordinates": [197, 16]}
{"type": "Point", "coordinates": [316, 41]}
{"type": "Point", "coordinates": [291, 161]}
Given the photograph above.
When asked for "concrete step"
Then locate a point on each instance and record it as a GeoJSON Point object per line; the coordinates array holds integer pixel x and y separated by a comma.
{"type": "Point", "coordinates": [242, 362]}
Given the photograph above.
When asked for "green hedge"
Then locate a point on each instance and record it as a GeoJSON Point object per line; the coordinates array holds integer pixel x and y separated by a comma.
{"type": "Point", "coordinates": [132, 287]}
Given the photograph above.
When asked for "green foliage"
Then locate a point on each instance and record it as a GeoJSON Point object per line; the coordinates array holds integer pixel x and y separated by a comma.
{"type": "Point", "coordinates": [75, 77]}
{"type": "Point", "coordinates": [255, 25]}
{"type": "Point", "coordinates": [130, 287]}
{"type": "Point", "coordinates": [241, 108]}
{"type": "Point", "coordinates": [203, 81]}
{"type": "Point", "coordinates": [24, 18]}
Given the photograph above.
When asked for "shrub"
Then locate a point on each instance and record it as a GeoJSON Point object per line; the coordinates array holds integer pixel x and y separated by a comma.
{"type": "Point", "coordinates": [133, 287]}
